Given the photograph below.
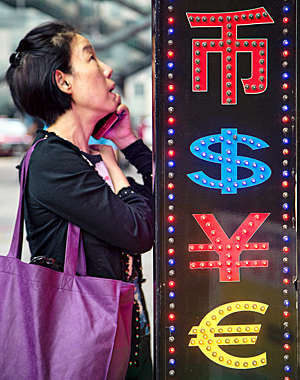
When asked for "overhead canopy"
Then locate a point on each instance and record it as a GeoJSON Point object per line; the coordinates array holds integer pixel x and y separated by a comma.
{"type": "Point", "coordinates": [120, 30]}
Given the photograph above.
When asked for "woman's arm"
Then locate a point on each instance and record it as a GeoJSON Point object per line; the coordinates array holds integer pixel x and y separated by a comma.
{"type": "Point", "coordinates": [61, 181]}
{"type": "Point", "coordinates": [117, 176]}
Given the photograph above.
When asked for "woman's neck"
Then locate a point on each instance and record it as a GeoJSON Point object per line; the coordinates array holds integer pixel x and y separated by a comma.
{"type": "Point", "coordinates": [74, 128]}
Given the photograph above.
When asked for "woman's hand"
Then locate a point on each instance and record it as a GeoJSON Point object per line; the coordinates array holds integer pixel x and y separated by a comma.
{"type": "Point", "coordinates": [121, 134]}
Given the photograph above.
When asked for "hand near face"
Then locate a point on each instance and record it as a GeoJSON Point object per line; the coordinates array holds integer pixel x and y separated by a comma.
{"type": "Point", "coordinates": [121, 134]}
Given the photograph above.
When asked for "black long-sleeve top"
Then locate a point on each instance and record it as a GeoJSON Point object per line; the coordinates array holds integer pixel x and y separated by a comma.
{"type": "Point", "coordinates": [62, 186]}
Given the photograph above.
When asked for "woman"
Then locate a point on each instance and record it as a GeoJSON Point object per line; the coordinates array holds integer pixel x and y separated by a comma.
{"type": "Point", "coordinates": [56, 76]}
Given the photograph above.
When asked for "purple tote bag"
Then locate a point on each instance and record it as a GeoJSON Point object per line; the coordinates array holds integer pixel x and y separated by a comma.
{"type": "Point", "coordinates": [61, 326]}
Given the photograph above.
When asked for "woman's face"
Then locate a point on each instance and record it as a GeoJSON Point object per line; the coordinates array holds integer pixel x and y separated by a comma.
{"type": "Point", "coordinates": [90, 79]}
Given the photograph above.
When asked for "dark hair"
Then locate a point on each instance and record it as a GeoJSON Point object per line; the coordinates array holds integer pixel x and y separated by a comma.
{"type": "Point", "coordinates": [30, 76]}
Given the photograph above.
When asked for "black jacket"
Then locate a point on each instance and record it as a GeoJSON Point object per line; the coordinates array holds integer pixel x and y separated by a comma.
{"type": "Point", "coordinates": [62, 186]}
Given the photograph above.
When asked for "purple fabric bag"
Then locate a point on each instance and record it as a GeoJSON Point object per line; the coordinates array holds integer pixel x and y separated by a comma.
{"type": "Point", "coordinates": [61, 326]}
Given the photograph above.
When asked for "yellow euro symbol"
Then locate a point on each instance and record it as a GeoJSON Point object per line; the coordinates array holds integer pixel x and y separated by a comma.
{"type": "Point", "coordinates": [210, 335]}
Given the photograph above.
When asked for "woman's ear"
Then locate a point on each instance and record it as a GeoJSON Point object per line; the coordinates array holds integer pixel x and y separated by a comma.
{"type": "Point", "coordinates": [63, 81]}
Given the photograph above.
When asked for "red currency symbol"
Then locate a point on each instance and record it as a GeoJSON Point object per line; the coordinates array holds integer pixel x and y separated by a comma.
{"type": "Point", "coordinates": [229, 249]}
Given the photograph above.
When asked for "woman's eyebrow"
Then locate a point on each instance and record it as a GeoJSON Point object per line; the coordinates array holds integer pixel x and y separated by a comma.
{"type": "Point", "coordinates": [88, 48]}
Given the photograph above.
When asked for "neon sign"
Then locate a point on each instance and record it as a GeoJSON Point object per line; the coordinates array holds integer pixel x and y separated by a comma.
{"type": "Point", "coordinates": [229, 46]}
{"type": "Point", "coordinates": [211, 335]}
{"type": "Point", "coordinates": [229, 161]}
{"type": "Point", "coordinates": [229, 249]}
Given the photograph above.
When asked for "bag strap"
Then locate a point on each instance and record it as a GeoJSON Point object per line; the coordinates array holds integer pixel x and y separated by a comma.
{"type": "Point", "coordinates": [74, 254]}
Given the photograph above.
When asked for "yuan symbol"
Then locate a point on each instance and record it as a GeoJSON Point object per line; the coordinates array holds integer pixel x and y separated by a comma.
{"type": "Point", "coordinates": [230, 249]}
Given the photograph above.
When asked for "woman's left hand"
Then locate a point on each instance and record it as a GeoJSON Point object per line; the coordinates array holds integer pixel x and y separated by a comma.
{"type": "Point", "coordinates": [121, 134]}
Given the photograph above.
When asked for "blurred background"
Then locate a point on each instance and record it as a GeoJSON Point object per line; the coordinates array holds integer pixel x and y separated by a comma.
{"type": "Point", "coordinates": [120, 31]}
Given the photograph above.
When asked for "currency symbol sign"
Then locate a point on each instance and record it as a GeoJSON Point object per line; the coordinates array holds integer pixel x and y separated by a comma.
{"type": "Point", "coordinates": [211, 335]}
{"type": "Point", "coordinates": [229, 249]}
{"type": "Point", "coordinates": [229, 161]}
{"type": "Point", "coordinates": [229, 46]}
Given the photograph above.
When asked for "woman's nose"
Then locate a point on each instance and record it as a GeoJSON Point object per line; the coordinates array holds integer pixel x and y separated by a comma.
{"type": "Point", "coordinates": [107, 70]}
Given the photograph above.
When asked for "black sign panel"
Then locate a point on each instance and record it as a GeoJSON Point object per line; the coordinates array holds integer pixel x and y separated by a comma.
{"type": "Point", "coordinates": [225, 124]}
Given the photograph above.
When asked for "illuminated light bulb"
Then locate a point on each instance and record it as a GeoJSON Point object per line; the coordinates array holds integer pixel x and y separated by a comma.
{"type": "Point", "coordinates": [171, 164]}
{"type": "Point", "coordinates": [285, 53]}
{"type": "Point", "coordinates": [285, 217]}
{"type": "Point", "coordinates": [285, 173]}
{"type": "Point", "coordinates": [287, 335]}
{"type": "Point", "coordinates": [285, 42]}
{"type": "Point", "coordinates": [285, 206]}
{"type": "Point", "coordinates": [171, 230]}
{"type": "Point", "coordinates": [285, 152]}
{"type": "Point", "coordinates": [285, 249]}
{"type": "Point", "coordinates": [172, 329]}
{"type": "Point", "coordinates": [286, 303]}
{"type": "Point", "coordinates": [172, 350]}
{"type": "Point", "coordinates": [172, 361]}
{"type": "Point", "coordinates": [285, 86]}
{"type": "Point", "coordinates": [285, 20]}
{"type": "Point", "coordinates": [287, 347]}
{"type": "Point", "coordinates": [171, 98]}
{"type": "Point", "coordinates": [171, 186]}
{"type": "Point", "coordinates": [171, 317]}
{"type": "Point", "coordinates": [287, 368]}
{"type": "Point", "coordinates": [170, 54]}
{"type": "Point", "coordinates": [171, 120]}
{"type": "Point", "coordinates": [285, 119]}
{"type": "Point", "coordinates": [171, 20]}
{"type": "Point", "coordinates": [285, 238]}
{"type": "Point", "coordinates": [286, 378]}
{"type": "Point", "coordinates": [171, 218]}
{"type": "Point", "coordinates": [286, 270]}
{"type": "Point", "coordinates": [285, 108]}
{"type": "Point", "coordinates": [171, 294]}
{"type": "Point", "coordinates": [171, 87]}
{"type": "Point", "coordinates": [171, 251]}
{"type": "Point", "coordinates": [265, 262]}
{"type": "Point", "coordinates": [171, 153]}
{"type": "Point", "coordinates": [171, 262]}
{"type": "Point", "coordinates": [286, 9]}
{"type": "Point", "coordinates": [171, 197]}
{"type": "Point", "coordinates": [286, 281]}
{"type": "Point", "coordinates": [285, 140]}
{"type": "Point", "coordinates": [285, 75]}
{"type": "Point", "coordinates": [171, 131]}
{"type": "Point", "coordinates": [171, 31]}
{"type": "Point", "coordinates": [171, 284]}
{"type": "Point", "coordinates": [286, 314]}
{"type": "Point", "coordinates": [170, 65]}
{"type": "Point", "coordinates": [228, 263]}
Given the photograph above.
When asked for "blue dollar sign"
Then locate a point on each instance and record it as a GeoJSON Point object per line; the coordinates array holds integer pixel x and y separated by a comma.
{"type": "Point", "coordinates": [229, 161]}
